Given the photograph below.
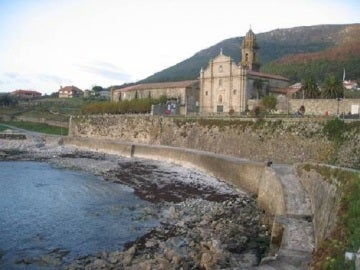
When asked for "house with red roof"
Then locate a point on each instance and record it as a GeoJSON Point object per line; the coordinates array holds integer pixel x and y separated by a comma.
{"type": "Point", "coordinates": [70, 92]}
{"type": "Point", "coordinates": [26, 94]}
{"type": "Point", "coordinates": [350, 85]}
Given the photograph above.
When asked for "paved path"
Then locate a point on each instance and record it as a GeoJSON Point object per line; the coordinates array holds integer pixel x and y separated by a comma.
{"type": "Point", "coordinates": [298, 236]}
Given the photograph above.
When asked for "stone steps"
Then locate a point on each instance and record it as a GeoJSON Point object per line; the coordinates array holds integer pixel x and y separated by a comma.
{"type": "Point", "coordinates": [298, 236]}
{"type": "Point", "coordinates": [297, 201]}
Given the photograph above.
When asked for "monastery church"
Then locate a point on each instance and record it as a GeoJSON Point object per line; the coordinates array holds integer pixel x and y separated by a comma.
{"type": "Point", "coordinates": [226, 86]}
{"type": "Point", "coordinates": [223, 86]}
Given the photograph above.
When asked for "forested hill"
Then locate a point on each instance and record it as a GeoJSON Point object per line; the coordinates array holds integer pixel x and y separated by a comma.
{"type": "Point", "coordinates": [296, 53]}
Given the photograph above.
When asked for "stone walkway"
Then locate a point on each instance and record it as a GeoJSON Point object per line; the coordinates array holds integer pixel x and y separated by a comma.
{"type": "Point", "coordinates": [298, 236]}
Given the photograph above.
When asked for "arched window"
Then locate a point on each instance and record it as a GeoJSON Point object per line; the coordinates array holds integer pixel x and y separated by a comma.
{"type": "Point", "coordinates": [220, 99]}
{"type": "Point", "coordinates": [220, 68]}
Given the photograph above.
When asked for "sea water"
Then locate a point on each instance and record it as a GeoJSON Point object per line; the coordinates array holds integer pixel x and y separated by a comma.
{"type": "Point", "coordinates": [44, 209]}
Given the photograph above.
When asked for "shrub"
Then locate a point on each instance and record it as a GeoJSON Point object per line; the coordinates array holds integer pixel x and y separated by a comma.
{"type": "Point", "coordinates": [269, 102]}
{"type": "Point", "coordinates": [257, 111]}
{"type": "Point", "coordinates": [334, 130]}
{"type": "Point", "coordinates": [121, 107]}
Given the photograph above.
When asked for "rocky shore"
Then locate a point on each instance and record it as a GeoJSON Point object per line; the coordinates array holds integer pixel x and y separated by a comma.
{"type": "Point", "coordinates": [203, 225]}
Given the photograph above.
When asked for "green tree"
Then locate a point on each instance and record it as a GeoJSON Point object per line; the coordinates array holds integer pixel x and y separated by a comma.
{"type": "Point", "coordinates": [54, 94]}
{"type": "Point", "coordinates": [163, 99]}
{"type": "Point", "coordinates": [310, 88]}
{"type": "Point", "coordinates": [269, 102]}
{"type": "Point", "coordinates": [97, 89]}
{"type": "Point", "coordinates": [7, 100]}
{"type": "Point", "coordinates": [332, 88]}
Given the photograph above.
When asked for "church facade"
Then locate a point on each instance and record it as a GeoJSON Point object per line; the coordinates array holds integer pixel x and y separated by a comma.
{"type": "Point", "coordinates": [226, 87]}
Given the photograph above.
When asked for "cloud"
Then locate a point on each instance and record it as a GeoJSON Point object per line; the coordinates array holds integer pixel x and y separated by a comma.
{"type": "Point", "coordinates": [16, 77]}
{"type": "Point", "coordinates": [37, 81]}
{"type": "Point", "coordinates": [49, 78]}
{"type": "Point", "coordinates": [106, 70]}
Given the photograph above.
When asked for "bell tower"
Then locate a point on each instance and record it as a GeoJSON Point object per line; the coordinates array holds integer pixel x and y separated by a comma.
{"type": "Point", "coordinates": [249, 50]}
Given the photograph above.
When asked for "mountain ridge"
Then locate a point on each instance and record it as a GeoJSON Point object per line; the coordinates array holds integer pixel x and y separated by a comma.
{"type": "Point", "coordinates": [296, 53]}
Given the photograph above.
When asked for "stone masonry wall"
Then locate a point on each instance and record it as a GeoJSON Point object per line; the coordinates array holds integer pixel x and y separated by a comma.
{"type": "Point", "coordinates": [324, 198]}
{"type": "Point", "coordinates": [323, 106]}
{"type": "Point", "coordinates": [281, 141]}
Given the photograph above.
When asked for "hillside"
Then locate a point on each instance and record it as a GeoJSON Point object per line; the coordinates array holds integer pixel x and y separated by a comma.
{"type": "Point", "coordinates": [294, 52]}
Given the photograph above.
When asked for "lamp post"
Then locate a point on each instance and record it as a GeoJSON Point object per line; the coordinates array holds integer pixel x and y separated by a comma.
{"type": "Point", "coordinates": [338, 105]}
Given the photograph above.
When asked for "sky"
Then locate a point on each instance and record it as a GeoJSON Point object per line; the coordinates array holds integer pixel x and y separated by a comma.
{"type": "Point", "coordinates": [46, 44]}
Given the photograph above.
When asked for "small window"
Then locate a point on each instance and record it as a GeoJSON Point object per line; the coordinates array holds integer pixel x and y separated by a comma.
{"type": "Point", "coordinates": [220, 82]}
{"type": "Point", "coordinates": [234, 92]}
{"type": "Point", "coordinates": [206, 93]}
{"type": "Point", "coordinates": [220, 68]}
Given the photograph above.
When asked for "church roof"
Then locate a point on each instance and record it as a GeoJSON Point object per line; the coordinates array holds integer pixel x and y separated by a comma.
{"type": "Point", "coordinates": [267, 76]}
{"type": "Point", "coordinates": [143, 86]}
{"type": "Point", "coordinates": [290, 90]}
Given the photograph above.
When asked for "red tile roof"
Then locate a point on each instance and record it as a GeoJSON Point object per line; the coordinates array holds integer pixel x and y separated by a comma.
{"type": "Point", "coordinates": [28, 92]}
{"type": "Point", "coordinates": [70, 88]}
{"type": "Point", "coordinates": [268, 76]}
{"type": "Point", "coordinates": [292, 89]}
{"type": "Point", "coordinates": [143, 86]}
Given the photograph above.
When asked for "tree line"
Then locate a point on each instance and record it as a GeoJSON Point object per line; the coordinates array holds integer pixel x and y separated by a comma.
{"type": "Point", "coordinates": [136, 105]}
{"type": "Point", "coordinates": [7, 100]}
{"type": "Point", "coordinates": [330, 88]}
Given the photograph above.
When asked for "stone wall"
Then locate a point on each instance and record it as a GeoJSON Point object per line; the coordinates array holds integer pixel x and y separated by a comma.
{"type": "Point", "coordinates": [323, 106]}
{"type": "Point", "coordinates": [324, 198]}
{"type": "Point", "coordinates": [282, 141]}
{"type": "Point", "coordinates": [12, 136]}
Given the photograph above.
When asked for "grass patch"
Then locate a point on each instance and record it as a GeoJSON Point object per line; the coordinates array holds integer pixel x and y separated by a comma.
{"type": "Point", "coordinates": [3, 128]}
{"type": "Point", "coordinates": [346, 236]}
{"type": "Point", "coordinates": [40, 127]}
{"type": "Point", "coordinates": [334, 130]}
{"type": "Point", "coordinates": [56, 109]}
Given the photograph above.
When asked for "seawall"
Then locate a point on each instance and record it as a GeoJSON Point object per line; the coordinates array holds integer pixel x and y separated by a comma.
{"type": "Point", "coordinates": [236, 171]}
{"type": "Point", "coordinates": [282, 141]}
{"type": "Point", "coordinates": [289, 140]}
{"type": "Point", "coordinates": [325, 200]}
{"type": "Point", "coordinates": [236, 151]}
{"type": "Point", "coordinates": [256, 178]}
